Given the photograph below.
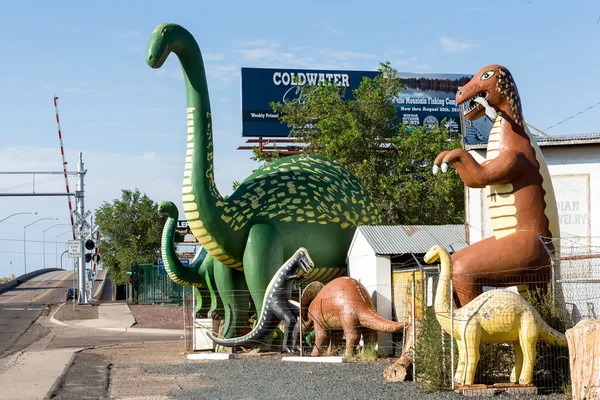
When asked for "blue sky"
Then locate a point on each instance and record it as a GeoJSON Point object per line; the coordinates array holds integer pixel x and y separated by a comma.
{"type": "Point", "coordinates": [129, 120]}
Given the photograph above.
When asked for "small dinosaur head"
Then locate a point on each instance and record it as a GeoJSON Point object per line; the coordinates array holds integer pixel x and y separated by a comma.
{"type": "Point", "coordinates": [433, 254]}
{"type": "Point", "coordinates": [161, 43]}
{"type": "Point", "coordinates": [167, 207]}
{"type": "Point", "coordinates": [304, 262]}
{"type": "Point", "coordinates": [492, 86]}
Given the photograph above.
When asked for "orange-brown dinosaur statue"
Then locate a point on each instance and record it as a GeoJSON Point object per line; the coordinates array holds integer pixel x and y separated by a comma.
{"type": "Point", "coordinates": [342, 306]}
{"type": "Point", "coordinates": [519, 191]}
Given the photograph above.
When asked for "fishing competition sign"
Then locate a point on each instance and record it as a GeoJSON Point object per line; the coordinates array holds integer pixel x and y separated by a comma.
{"type": "Point", "coordinates": [427, 100]}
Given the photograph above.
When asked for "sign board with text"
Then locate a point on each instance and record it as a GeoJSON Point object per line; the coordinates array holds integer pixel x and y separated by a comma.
{"type": "Point", "coordinates": [74, 248]}
{"type": "Point", "coordinates": [427, 100]}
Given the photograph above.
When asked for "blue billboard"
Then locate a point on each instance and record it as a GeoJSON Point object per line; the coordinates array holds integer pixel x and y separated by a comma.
{"type": "Point", "coordinates": [427, 100]}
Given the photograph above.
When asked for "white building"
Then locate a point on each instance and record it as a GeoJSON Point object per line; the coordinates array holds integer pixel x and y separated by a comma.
{"type": "Point", "coordinates": [382, 258]}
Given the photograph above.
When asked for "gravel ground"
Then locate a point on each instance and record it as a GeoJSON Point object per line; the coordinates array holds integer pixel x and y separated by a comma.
{"type": "Point", "coordinates": [67, 312]}
{"type": "Point", "coordinates": [161, 371]}
{"type": "Point", "coordinates": [156, 316]}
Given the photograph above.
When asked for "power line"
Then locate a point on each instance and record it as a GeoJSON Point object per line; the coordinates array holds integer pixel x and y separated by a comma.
{"type": "Point", "coordinates": [573, 116]}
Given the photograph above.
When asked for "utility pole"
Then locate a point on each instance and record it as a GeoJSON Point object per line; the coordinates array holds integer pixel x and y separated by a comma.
{"type": "Point", "coordinates": [79, 196]}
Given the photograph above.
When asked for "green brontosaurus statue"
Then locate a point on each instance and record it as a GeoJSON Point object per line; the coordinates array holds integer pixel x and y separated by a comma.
{"type": "Point", "coordinates": [298, 201]}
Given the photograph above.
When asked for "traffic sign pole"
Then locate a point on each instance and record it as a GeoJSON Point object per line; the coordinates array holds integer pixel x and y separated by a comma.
{"type": "Point", "coordinates": [81, 225]}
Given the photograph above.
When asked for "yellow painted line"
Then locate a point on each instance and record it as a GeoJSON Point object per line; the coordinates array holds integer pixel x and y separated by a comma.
{"type": "Point", "coordinates": [40, 296]}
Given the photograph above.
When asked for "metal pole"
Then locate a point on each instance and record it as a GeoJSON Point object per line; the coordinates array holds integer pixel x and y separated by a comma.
{"type": "Point", "coordinates": [81, 210]}
{"type": "Point", "coordinates": [414, 330]}
{"type": "Point", "coordinates": [451, 336]}
{"type": "Point", "coordinates": [300, 319]}
{"type": "Point", "coordinates": [24, 250]}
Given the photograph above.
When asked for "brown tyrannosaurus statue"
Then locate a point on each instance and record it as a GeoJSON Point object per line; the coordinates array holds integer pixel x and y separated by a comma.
{"type": "Point", "coordinates": [342, 305]}
{"type": "Point", "coordinates": [519, 191]}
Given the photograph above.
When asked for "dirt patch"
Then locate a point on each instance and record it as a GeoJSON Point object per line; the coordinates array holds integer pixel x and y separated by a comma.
{"type": "Point", "coordinates": [70, 312]}
{"type": "Point", "coordinates": [155, 316]}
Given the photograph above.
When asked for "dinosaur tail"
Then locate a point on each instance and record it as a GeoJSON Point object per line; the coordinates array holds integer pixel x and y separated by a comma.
{"type": "Point", "coordinates": [552, 336]}
{"type": "Point", "coordinates": [370, 319]}
{"type": "Point", "coordinates": [255, 336]}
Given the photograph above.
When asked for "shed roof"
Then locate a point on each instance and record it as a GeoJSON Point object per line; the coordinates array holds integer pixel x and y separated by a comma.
{"type": "Point", "coordinates": [401, 239]}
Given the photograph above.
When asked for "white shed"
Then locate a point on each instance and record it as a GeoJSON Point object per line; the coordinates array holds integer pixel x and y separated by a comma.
{"type": "Point", "coordinates": [374, 250]}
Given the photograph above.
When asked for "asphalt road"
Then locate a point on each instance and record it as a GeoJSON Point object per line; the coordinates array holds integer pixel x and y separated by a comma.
{"type": "Point", "coordinates": [21, 306]}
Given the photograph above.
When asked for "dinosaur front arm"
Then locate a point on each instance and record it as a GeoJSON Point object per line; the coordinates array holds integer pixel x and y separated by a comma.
{"type": "Point", "coordinates": [503, 169]}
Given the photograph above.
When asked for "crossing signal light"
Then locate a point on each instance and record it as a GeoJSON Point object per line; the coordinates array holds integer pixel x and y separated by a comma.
{"type": "Point", "coordinates": [88, 257]}
{"type": "Point", "coordinates": [89, 244]}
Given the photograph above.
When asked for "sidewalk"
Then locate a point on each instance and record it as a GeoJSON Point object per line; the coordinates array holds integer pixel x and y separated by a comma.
{"type": "Point", "coordinates": [116, 317]}
{"type": "Point", "coordinates": [31, 374]}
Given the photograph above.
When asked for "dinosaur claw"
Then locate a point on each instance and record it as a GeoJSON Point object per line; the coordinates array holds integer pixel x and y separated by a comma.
{"type": "Point", "coordinates": [435, 169]}
{"type": "Point", "coordinates": [444, 167]}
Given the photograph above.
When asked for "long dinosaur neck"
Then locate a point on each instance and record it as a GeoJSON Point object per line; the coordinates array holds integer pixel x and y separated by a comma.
{"type": "Point", "coordinates": [187, 276]}
{"type": "Point", "coordinates": [202, 203]}
{"type": "Point", "coordinates": [442, 295]}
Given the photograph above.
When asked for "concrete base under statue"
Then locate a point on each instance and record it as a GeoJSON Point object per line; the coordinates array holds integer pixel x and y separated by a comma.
{"type": "Point", "coordinates": [328, 359]}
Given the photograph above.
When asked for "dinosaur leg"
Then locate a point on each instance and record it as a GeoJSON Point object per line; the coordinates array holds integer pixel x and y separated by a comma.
{"type": "Point", "coordinates": [528, 336]}
{"type": "Point", "coordinates": [321, 336]}
{"type": "Point", "coordinates": [516, 372]}
{"type": "Point", "coordinates": [460, 367]}
{"type": "Point", "coordinates": [234, 294]}
{"type": "Point", "coordinates": [335, 338]}
{"type": "Point", "coordinates": [263, 256]}
{"type": "Point", "coordinates": [471, 341]}
{"type": "Point", "coordinates": [508, 261]}
{"type": "Point", "coordinates": [289, 322]}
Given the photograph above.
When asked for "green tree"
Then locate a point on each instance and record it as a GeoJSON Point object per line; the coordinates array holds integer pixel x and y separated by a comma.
{"type": "Point", "coordinates": [393, 161]}
{"type": "Point", "coordinates": [131, 228]}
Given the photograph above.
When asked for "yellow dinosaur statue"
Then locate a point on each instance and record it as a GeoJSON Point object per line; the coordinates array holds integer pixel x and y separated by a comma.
{"type": "Point", "coordinates": [496, 316]}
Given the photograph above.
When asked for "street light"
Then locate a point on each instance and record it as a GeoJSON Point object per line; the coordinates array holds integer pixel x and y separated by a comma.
{"type": "Point", "coordinates": [44, 240]}
{"type": "Point", "coordinates": [24, 242]}
{"type": "Point", "coordinates": [56, 244]}
{"type": "Point", "coordinates": [4, 219]}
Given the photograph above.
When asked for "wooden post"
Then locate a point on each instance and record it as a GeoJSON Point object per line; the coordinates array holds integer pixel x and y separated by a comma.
{"type": "Point", "coordinates": [584, 357]}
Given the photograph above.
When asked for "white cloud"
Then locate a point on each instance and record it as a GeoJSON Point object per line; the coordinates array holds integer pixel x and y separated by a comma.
{"type": "Point", "coordinates": [452, 46]}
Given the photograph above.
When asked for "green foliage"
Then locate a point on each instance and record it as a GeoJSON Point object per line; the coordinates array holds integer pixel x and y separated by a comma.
{"type": "Point", "coordinates": [131, 228]}
{"type": "Point", "coordinates": [369, 351]}
{"type": "Point", "coordinates": [393, 161]}
{"type": "Point", "coordinates": [552, 371]}
{"type": "Point", "coordinates": [432, 360]}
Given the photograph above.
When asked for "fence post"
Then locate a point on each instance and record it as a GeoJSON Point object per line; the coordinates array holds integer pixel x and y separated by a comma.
{"type": "Point", "coordinates": [451, 336]}
{"type": "Point", "coordinates": [414, 321]}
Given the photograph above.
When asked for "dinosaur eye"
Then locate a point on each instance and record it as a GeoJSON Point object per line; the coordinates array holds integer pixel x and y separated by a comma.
{"type": "Point", "coordinates": [487, 74]}
{"type": "Point", "coordinates": [163, 32]}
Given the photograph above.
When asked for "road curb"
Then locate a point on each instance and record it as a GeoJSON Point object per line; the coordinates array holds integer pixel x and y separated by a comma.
{"type": "Point", "coordinates": [55, 321]}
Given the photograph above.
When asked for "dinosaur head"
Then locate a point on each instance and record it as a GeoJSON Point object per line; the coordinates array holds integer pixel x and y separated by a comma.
{"type": "Point", "coordinates": [433, 254]}
{"type": "Point", "coordinates": [304, 262]}
{"type": "Point", "coordinates": [494, 87]}
{"type": "Point", "coordinates": [168, 208]}
{"type": "Point", "coordinates": [162, 41]}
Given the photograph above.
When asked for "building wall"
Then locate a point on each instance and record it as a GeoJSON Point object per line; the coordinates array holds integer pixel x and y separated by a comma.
{"type": "Point", "coordinates": [375, 273]}
{"type": "Point", "coordinates": [575, 172]}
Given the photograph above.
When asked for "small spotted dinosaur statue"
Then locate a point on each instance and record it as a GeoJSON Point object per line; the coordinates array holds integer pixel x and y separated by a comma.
{"type": "Point", "coordinates": [496, 316]}
{"type": "Point", "coordinates": [276, 304]}
{"type": "Point", "coordinates": [343, 306]}
{"type": "Point", "coordinates": [297, 201]}
{"type": "Point", "coordinates": [519, 190]}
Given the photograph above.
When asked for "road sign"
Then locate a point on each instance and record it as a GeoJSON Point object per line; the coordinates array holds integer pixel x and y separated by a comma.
{"type": "Point", "coordinates": [74, 248]}
{"type": "Point", "coordinates": [82, 232]}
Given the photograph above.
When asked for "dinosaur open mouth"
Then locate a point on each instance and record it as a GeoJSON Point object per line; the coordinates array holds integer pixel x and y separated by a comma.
{"type": "Point", "coordinates": [472, 104]}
